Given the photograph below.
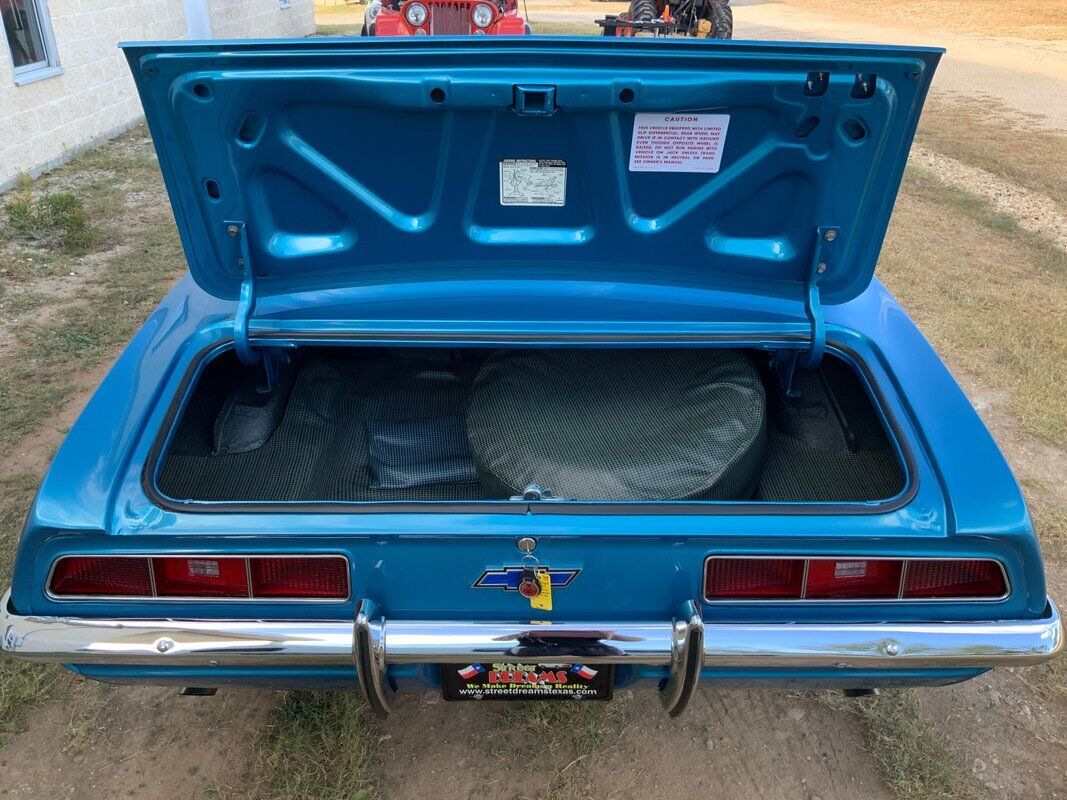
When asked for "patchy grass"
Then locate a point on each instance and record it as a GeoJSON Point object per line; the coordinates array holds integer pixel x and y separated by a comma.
{"type": "Point", "coordinates": [316, 746]}
{"type": "Point", "coordinates": [48, 226]}
{"type": "Point", "coordinates": [346, 20]}
{"type": "Point", "coordinates": [74, 334]}
{"type": "Point", "coordinates": [567, 729]}
{"type": "Point", "coordinates": [87, 707]}
{"type": "Point", "coordinates": [324, 746]}
{"type": "Point", "coordinates": [566, 735]}
{"type": "Point", "coordinates": [987, 135]}
{"type": "Point", "coordinates": [1050, 518]}
{"type": "Point", "coordinates": [16, 492]}
{"type": "Point", "coordinates": [988, 296]}
{"type": "Point", "coordinates": [21, 684]}
{"type": "Point", "coordinates": [1048, 681]}
{"type": "Point", "coordinates": [343, 29]}
{"type": "Point", "coordinates": [14, 305]}
{"type": "Point", "coordinates": [55, 348]}
{"type": "Point", "coordinates": [54, 219]}
{"type": "Point", "coordinates": [916, 760]}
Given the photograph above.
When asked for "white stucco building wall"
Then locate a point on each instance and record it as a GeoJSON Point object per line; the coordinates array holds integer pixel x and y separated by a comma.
{"type": "Point", "coordinates": [261, 19]}
{"type": "Point", "coordinates": [49, 113]}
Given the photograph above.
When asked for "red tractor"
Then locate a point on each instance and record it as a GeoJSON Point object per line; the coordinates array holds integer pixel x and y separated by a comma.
{"type": "Point", "coordinates": [704, 19]}
{"type": "Point", "coordinates": [444, 18]}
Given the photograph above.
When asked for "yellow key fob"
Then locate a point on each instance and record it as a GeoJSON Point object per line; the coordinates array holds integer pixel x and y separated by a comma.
{"type": "Point", "coordinates": [543, 599]}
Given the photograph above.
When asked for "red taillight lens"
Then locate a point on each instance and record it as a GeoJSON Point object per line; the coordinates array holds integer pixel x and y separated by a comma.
{"type": "Point", "coordinates": [272, 577]}
{"type": "Point", "coordinates": [848, 578]}
{"type": "Point", "coordinates": [200, 576]}
{"type": "Point", "coordinates": [299, 577]}
{"type": "Point", "coordinates": [727, 578]}
{"type": "Point", "coordinates": [98, 575]}
{"type": "Point", "coordinates": [954, 578]}
{"type": "Point", "coordinates": [754, 578]}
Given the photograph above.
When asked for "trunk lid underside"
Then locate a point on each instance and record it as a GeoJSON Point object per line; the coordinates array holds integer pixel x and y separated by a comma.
{"type": "Point", "coordinates": [296, 168]}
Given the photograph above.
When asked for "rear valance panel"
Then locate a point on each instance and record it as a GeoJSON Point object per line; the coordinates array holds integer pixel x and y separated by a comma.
{"type": "Point", "coordinates": [360, 163]}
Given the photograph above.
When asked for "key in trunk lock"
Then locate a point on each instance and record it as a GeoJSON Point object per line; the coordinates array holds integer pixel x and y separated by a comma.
{"type": "Point", "coordinates": [535, 583]}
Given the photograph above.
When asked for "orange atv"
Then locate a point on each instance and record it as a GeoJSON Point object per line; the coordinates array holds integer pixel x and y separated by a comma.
{"type": "Point", "coordinates": [703, 19]}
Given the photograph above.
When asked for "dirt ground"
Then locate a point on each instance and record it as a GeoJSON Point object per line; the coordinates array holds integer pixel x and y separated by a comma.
{"type": "Point", "coordinates": [1005, 734]}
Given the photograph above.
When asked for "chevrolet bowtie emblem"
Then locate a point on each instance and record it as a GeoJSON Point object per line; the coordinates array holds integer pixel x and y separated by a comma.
{"type": "Point", "coordinates": [507, 578]}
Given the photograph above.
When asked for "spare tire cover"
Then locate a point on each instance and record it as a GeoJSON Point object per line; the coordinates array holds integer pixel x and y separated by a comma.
{"type": "Point", "coordinates": [619, 424]}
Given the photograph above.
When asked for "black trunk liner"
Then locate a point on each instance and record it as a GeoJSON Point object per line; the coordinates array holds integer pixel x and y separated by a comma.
{"type": "Point", "coordinates": [828, 446]}
{"type": "Point", "coordinates": [320, 450]}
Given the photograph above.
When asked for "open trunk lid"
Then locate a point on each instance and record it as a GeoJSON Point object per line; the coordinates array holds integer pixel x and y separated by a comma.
{"type": "Point", "coordinates": [757, 171]}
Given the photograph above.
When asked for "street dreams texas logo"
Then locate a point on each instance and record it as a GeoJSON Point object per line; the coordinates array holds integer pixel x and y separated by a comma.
{"type": "Point", "coordinates": [528, 674]}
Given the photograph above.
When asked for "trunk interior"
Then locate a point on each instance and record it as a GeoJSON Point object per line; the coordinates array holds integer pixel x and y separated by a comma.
{"type": "Point", "coordinates": [375, 424]}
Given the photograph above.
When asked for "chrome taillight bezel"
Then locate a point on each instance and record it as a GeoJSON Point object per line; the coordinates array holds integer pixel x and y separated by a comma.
{"type": "Point", "coordinates": [808, 558]}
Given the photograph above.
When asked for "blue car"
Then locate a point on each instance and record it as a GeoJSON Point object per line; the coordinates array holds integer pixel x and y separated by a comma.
{"type": "Point", "coordinates": [530, 369]}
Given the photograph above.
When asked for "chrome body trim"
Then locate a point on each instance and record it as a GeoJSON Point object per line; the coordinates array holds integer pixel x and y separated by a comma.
{"type": "Point", "coordinates": [370, 643]}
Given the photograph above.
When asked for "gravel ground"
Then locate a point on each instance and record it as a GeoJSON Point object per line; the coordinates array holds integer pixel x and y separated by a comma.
{"type": "Point", "coordinates": [1032, 211]}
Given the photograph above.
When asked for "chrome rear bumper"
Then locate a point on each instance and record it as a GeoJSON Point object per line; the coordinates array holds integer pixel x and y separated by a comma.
{"type": "Point", "coordinates": [685, 644]}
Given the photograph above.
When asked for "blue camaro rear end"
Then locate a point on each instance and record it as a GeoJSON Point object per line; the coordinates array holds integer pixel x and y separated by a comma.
{"type": "Point", "coordinates": [523, 369]}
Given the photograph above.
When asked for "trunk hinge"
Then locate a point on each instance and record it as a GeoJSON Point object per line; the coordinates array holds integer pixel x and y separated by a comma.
{"type": "Point", "coordinates": [237, 236]}
{"type": "Point", "coordinates": [826, 241]}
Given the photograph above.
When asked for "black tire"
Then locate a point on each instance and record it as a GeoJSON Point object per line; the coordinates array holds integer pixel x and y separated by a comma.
{"type": "Point", "coordinates": [643, 10]}
{"type": "Point", "coordinates": [722, 21]}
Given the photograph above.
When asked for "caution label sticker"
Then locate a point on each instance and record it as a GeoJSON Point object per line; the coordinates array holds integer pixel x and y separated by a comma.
{"type": "Point", "coordinates": [678, 142]}
{"type": "Point", "coordinates": [533, 182]}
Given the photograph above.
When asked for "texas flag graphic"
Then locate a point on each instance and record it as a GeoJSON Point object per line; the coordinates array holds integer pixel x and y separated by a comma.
{"type": "Point", "coordinates": [582, 671]}
{"type": "Point", "coordinates": [469, 672]}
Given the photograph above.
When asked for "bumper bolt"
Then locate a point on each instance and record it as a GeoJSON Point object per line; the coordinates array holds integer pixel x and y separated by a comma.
{"type": "Point", "coordinates": [891, 649]}
{"type": "Point", "coordinates": [163, 645]}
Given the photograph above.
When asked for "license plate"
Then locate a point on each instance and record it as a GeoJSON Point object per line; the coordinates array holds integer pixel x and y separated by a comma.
{"type": "Point", "coordinates": [519, 681]}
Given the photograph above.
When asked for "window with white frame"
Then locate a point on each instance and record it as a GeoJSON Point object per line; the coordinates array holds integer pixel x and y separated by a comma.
{"type": "Point", "coordinates": [28, 31]}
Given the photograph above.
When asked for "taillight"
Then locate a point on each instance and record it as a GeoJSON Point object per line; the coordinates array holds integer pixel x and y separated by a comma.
{"type": "Point", "coordinates": [754, 578]}
{"type": "Point", "coordinates": [937, 578]}
{"type": "Point", "coordinates": [96, 575]}
{"type": "Point", "coordinates": [219, 577]}
{"type": "Point", "coordinates": [200, 577]}
{"type": "Point", "coordinates": [852, 578]}
{"type": "Point", "coordinates": [299, 577]}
